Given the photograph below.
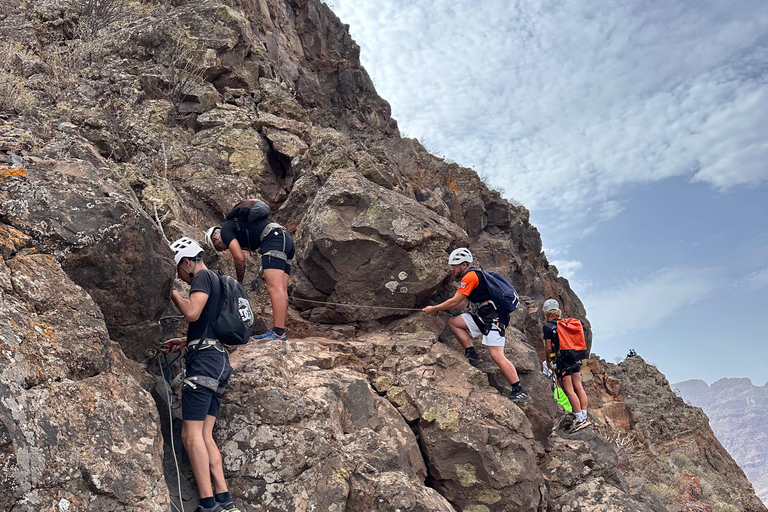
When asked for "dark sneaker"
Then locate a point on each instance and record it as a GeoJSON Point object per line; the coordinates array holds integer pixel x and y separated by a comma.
{"type": "Point", "coordinates": [229, 506]}
{"type": "Point", "coordinates": [519, 396]}
{"type": "Point", "coordinates": [271, 335]}
{"type": "Point", "coordinates": [578, 425]}
{"type": "Point", "coordinates": [475, 361]}
{"type": "Point", "coordinates": [215, 508]}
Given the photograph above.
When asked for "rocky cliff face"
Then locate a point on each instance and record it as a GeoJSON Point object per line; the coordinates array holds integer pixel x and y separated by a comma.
{"type": "Point", "coordinates": [737, 412]}
{"type": "Point", "coordinates": [122, 125]}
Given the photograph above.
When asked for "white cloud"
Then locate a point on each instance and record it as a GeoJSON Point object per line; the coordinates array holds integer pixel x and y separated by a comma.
{"type": "Point", "coordinates": [567, 104]}
{"type": "Point", "coordinates": [752, 282]}
{"type": "Point", "coordinates": [567, 268]}
{"type": "Point", "coordinates": [642, 303]}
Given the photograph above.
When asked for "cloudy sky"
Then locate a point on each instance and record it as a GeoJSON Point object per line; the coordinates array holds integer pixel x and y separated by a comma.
{"type": "Point", "coordinates": [635, 131]}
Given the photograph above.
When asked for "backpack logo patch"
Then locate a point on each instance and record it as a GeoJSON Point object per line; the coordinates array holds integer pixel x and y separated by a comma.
{"type": "Point", "coordinates": [244, 308]}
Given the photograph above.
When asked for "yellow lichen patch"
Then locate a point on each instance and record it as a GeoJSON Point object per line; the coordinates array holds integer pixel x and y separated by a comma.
{"type": "Point", "coordinates": [340, 475]}
{"type": "Point", "coordinates": [466, 474]}
{"type": "Point", "coordinates": [487, 496]}
{"type": "Point", "coordinates": [447, 418]}
{"type": "Point", "coordinates": [477, 508]}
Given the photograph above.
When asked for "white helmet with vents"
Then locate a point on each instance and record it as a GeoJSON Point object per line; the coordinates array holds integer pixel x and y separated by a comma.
{"type": "Point", "coordinates": [185, 247]}
{"type": "Point", "coordinates": [209, 235]}
{"type": "Point", "coordinates": [460, 255]}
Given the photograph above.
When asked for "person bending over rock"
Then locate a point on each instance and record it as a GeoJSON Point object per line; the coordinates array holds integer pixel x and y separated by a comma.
{"type": "Point", "coordinates": [567, 365]}
{"type": "Point", "coordinates": [277, 250]}
{"type": "Point", "coordinates": [483, 320]}
{"type": "Point", "coordinates": [207, 374]}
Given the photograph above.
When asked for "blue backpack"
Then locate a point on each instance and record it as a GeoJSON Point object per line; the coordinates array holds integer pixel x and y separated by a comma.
{"type": "Point", "coordinates": [502, 293]}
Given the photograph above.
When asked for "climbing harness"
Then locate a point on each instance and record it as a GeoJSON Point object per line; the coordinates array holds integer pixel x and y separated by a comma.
{"type": "Point", "coordinates": [205, 382]}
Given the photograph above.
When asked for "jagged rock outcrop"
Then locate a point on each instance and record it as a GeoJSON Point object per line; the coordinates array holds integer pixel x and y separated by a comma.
{"type": "Point", "coordinates": [115, 132]}
{"type": "Point", "coordinates": [737, 412]}
{"type": "Point", "coordinates": [669, 453]}
{"type": "Point", "coordinates": [77, 431]}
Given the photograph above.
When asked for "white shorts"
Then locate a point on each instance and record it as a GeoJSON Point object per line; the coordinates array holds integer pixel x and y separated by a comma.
{"type": "Point", "coordinates": [493, 339]}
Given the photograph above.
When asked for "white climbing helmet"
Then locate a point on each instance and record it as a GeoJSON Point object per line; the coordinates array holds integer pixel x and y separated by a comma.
{"type": "Point", "coordinates": [209, 236]}
{"type": "Point", "coordinates": [185, 247]}
{"type": "Point", "coordinates": [550, 305]}
{"type": "Point", "coordinates": [459, 256]}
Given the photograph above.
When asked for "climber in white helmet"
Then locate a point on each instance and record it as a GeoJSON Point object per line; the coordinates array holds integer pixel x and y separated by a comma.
{"type": "Point", "coordinates": [207, 374]}
{"type": "Point", "coordinates": [472, 289]}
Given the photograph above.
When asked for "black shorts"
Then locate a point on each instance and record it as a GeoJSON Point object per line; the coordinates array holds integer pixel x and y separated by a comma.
{"type": "Point", "coordinates": [200, 402]}
{"type": "Point", "coordinates": [567, 363]}
{"type": "Point", "coordinates": [281, 241]}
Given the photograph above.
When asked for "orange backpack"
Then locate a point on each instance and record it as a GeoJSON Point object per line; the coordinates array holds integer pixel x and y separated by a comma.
{"type": "Point", "coordinates": [570, 333]}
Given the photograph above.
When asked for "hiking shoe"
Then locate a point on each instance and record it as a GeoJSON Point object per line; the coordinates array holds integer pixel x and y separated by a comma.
{"type": "Point", "coordinates": [475, 361]}
{"type": "Point", "coordinates": [519, 396]}
{"type": "Point", "coordinates": [271, 335]}
{"type": "Point", "coordinates": [215, 508]}
{"type": "Point", "coordinates": [578, 425]}
{"type": "Point", "coordinates": [229, 506]}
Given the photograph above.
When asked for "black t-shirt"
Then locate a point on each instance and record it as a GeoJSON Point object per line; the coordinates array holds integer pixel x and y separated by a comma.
{"type": "Point", "coordinates": [205, 281]}
{"type": "Point", "coordinates": [248, 234]}
{"type": "Point", "coordinates": [550, 333]}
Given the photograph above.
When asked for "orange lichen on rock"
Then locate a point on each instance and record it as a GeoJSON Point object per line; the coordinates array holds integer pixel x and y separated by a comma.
{"type": "Point", "coordinates": [5, 173]}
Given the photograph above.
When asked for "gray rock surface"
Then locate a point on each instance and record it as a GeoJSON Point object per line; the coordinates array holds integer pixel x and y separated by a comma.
{"type": "Point", "coordinates": [77, 430]}
{"type": "Point", "coordinates": [166, 116]}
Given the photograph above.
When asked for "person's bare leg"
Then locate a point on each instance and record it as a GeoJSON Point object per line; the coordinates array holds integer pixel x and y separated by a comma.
{"type": "Point", "coordinates": [278, 295]}
{"type": "Point", "coordinates": [504, 364]}
{"type": "Point", "coordinates": [192, 437]}
{"type": "Point", "coordinates": [578, 389]}
{"type": "Point", "coordinates": [459, 328]}
{"type": "Point", "coordinates": [214, 456]}
{"type": "Point", "coordinates": [572, 397]}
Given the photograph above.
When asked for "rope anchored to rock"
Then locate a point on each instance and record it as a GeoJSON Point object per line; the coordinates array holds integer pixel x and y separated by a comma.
{"type": "Point", "coordinates": [355, 305]}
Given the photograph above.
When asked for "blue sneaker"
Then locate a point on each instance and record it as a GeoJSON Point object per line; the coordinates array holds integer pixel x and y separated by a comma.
{"type": "Point", "coordinates": [271, 335]}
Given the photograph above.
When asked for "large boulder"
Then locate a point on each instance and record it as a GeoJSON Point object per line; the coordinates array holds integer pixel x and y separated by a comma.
{"type": "Point", "coordinates": [363, 244]}
{"type": "Point", "coordinates": [479, 446]}
{"type": "Point", "coordinates": [77, 430]}
{"type": "Point", "coordinates": [297, 433]}
{"type": "Point", "coordinates": [104, 240]}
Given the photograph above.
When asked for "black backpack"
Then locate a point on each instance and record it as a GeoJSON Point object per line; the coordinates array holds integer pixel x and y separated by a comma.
{"type": "Point", "coordinates": [249, 210]}
{"type": "Point", "coordinates": [234, 319]}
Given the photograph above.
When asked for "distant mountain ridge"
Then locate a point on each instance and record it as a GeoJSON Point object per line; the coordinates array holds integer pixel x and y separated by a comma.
{"type": "Point", "coordinates": [738, 412]}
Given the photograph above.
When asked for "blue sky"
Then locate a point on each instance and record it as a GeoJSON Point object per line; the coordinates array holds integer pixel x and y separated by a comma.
{"type": "Point", "coordinates": [635, 132]}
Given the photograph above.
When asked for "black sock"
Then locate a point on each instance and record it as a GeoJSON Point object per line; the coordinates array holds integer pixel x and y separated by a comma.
{"type": "Point", "coordinates": [517, 386]}
{"type": "Point", "coordinates": [223, 497]}
{"type": "Point", "coordinates": [207, 502]}
{"type": "Point", "coordinates": [278, 331]}
{"type": "Point", "coordinates": [470, 352]}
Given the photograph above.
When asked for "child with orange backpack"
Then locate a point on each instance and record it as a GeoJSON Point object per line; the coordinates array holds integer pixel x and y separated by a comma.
{"type": "Point", "coordinates": [566, 347]}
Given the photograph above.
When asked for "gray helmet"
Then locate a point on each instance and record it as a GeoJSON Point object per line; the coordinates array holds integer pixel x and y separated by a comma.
{"type": "Point", "coordinates": [185, 247]}
{"type": "Point", "coordinates": [550, 305]}
{"type": "Point", "coordinates": [460, 255]}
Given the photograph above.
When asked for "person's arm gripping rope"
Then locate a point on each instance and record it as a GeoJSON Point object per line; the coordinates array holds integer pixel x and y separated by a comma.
{"type": "Point", "coordinates": [458, 301]}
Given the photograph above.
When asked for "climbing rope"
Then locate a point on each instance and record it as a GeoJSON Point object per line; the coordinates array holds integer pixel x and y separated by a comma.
{"type": "Point", "coordinates": [355, 305]}
{"type": "Point", "coordinates": [170, 427]}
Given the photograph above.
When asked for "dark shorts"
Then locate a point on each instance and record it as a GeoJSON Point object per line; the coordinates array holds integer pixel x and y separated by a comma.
{"type": "Point", "coordinates": [280, 242]}
{"type": "Point", "coordinates": [198, 403]}
{"type": "Point", "coordinates": [567, 363]}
